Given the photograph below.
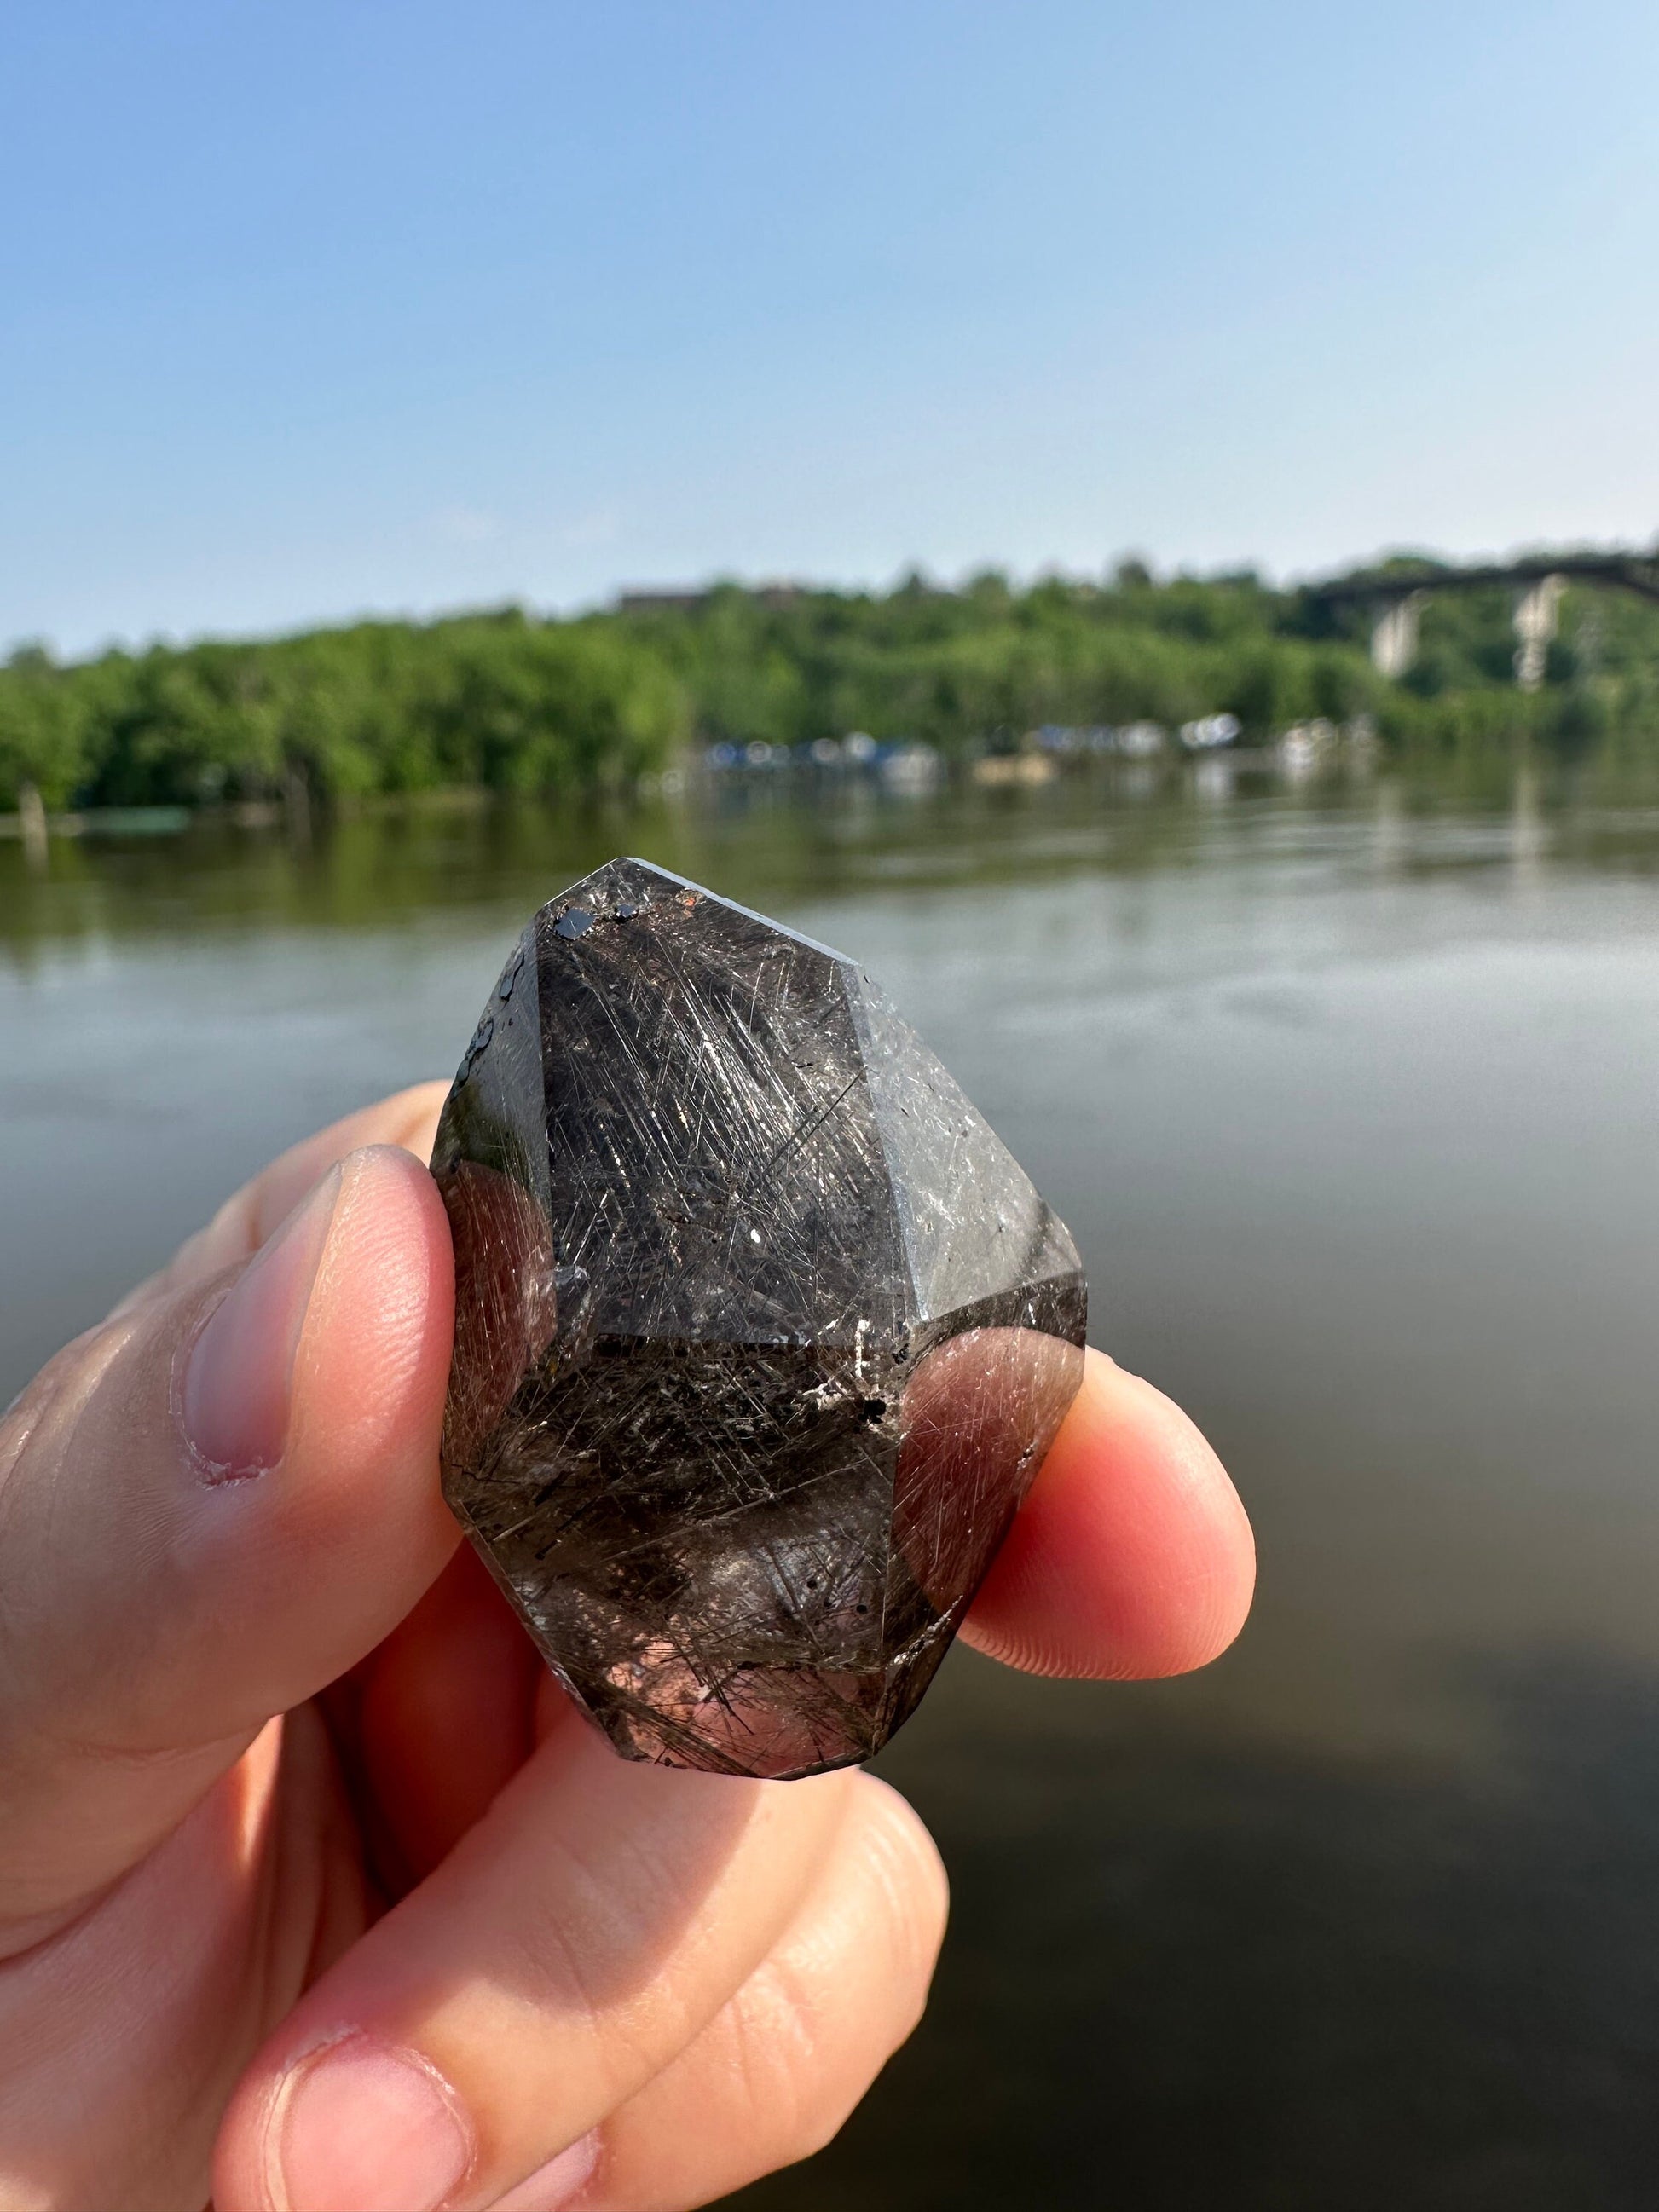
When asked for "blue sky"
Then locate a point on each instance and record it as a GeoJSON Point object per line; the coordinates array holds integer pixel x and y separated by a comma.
{"type": "Point", "coordinates": [308, 309]}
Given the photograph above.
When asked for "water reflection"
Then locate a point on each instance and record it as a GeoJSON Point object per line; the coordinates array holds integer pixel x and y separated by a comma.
{"type": "Point", "coordinates": [1347, 1093]}
{"type": "Point", "coordinates": [1198, 1965]}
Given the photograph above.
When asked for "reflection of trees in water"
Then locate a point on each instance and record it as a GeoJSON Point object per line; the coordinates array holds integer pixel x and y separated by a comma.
{"type": "Point", "coordinates": [1191, 1973]}
{"type": "Point", "coordinates": [768, 845]}
{"type": "Point", "coordinates": [774, 842]}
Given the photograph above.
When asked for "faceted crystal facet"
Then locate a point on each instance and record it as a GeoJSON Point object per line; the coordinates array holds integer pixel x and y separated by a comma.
{"type": "Point", "coordinates": [761, 1332]}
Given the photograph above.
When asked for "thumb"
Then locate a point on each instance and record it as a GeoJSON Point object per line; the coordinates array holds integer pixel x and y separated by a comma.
{"type": "Point", "coordinates": [209, 1508]}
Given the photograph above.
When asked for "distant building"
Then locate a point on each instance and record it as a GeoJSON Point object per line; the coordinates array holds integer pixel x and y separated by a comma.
{"type": "Point", "coordinates": [660, 602]}
{"type": "Point", "coordinates": [771, 595]}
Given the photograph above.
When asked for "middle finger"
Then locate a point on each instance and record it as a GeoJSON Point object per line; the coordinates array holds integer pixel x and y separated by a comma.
{"type": "Point", "coordinates": [775, 2074]}
{"type": "Point", "coordinates": [577, 1939]}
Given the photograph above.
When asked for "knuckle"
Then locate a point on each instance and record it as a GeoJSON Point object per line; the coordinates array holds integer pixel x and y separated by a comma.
{"type": "Point", "coordinates": [791, 2100]}
{"type": "Point", "coordinates": [37, 1442]}
{"type": "Point", "coordinates": [59, 1390]}
{"type": "Point", "coordinates": [802, 2056]}
{"type": "Point", "coordinates": [910, 1880]}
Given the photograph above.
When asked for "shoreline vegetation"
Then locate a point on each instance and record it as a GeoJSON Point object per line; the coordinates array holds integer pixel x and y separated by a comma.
{"type": "Point", "coordinates": [505, 702]}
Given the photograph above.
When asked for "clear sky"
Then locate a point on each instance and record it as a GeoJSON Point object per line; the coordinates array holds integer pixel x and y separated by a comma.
{"type": "Point", "coordinates": [315, 306]}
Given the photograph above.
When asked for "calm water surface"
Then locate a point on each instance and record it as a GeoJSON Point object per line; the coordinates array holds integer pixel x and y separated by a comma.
{"type": "Point", "coordinates": [1351, 1094]}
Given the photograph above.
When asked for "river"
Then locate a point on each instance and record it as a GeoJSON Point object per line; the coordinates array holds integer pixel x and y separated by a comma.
{"type": "Point", "coordinates": [1350, 1092]}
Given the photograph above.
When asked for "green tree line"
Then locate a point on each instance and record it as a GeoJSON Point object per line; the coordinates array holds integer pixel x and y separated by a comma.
{"type": "Point", "coordinates": [509, 701]}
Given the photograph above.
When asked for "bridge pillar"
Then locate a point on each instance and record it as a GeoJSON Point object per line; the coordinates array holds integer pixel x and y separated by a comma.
{"type": "Point", "coordinates": [1537, 613]}
{"type": "Point", "coordinates": [1394, 635]}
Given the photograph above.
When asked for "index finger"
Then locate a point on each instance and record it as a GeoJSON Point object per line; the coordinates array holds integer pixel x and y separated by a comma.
{"type": "Point", "coordinates": [1132, 1555]}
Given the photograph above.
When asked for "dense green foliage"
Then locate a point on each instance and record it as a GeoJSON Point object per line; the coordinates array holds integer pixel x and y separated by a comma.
{"type": "Point", "coordinates": [510, 702]}
{"type": "Point", "coordinates": [497, 701]}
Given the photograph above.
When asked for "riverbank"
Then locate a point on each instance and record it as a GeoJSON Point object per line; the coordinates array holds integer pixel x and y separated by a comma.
{"type": "Point", "coordinates": [513, 702]}
{"type": "Point", "coordinates": [913, 771]}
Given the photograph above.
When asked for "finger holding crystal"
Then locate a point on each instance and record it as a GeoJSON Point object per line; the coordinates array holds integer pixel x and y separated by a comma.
{"type": "Point", "coordinates": [785, 2060]}
{"type": "Point", "coordinates": [574, 1941]}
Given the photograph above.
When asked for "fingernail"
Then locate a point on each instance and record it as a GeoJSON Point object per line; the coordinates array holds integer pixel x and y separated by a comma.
{"type": "Point", "coordinates": [557, 2184]}
{"type": "Point", "coordinates": [239, 1373]}
{"type": "Point", "coordinates": [362, 2128]}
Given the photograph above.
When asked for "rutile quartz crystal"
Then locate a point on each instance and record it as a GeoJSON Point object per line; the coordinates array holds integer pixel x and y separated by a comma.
{"type": "Point", "coordinates": [761, 1332]}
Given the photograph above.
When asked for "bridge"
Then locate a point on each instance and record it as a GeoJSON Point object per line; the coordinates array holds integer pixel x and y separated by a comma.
{"type": "Point", "coordinates": [1397, 594]}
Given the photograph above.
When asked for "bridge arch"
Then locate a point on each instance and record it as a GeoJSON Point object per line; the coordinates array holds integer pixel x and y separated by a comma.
{"type": "Point", "coordinates": [1397, 596]}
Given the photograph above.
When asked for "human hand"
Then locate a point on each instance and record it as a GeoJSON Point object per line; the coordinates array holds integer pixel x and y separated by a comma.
{"type": "Point", "coordinates": [314, 1891]}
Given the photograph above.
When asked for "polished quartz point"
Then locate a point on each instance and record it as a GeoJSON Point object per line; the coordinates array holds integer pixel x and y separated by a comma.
{"type": "Point", "coordinates": [761, 1332]}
